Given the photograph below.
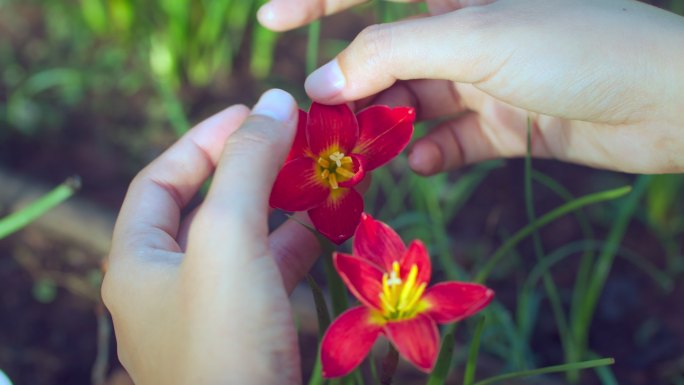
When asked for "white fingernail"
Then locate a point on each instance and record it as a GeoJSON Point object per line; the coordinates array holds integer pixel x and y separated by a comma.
{"type": "Point", "coordinates": [276, 104]}
{"type": "Point", "coordinates": [326, 81]}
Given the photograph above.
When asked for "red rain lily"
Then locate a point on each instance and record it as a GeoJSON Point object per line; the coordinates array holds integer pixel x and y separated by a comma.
{"type": "Point", "coordinates": [332, 152]}
{"type": "Point", "coordinates": [391, 282]}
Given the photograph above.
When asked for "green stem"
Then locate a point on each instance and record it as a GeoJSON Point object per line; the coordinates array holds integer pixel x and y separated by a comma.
{"type": "Point", "coordinates": [446, 354]}
{"type": "Point", "coordinates": [20, 219]}
{"type": "Point", "coordinates": [545, 219]}
{"type": "Point", "coordinates": [312, 46]}
{"type": "Point", "coordinates": [548, 369]}
{"type": "Point", "coordinates": [471, 365]}
{"type": "Point", "coordinates": [338, 292]}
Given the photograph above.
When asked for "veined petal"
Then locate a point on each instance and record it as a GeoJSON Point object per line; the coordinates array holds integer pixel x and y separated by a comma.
{"type": "Point", "coordinates": [417, 254]}
{"type": "Point", "coordinates": [377, 242]}
{"type": "Point", "coordinates": [452, 301]}
{"type": "Point", "coordinates": [338, 216]}
{"type": "Point", "coordinates": [359, 172]}
{"type": "Point", "coordinates": [383, 133]}
{"type": "Point", "coordinates": [416, 339]}
{"type": "Point", "coordinates": [331, 128]}
{"type": "Point", "coordinates": [300, 147]}
{"type": "Point", "coordinates": [347, 342]}
{"type": "Point", "coordinates": [363, 278]}
{"type": "Point", "coordinates": [297, 187]}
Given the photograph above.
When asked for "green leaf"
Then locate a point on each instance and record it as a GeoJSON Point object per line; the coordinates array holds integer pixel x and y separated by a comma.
{"type": "Point", "coordinates": [20, 219]}
{"type": "Point", "coordinates": [548, 369]}
{"type": "Point", "coordinates": [446, 353]}
{"type": "Point", "coordinates": [471, 364]}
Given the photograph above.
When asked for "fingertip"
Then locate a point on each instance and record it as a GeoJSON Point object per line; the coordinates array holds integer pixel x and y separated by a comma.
{"type": "Point", "coordinates": [277, 105]}
{"type": "Point", "coordinates": [325, 83]}
{"type": "Point", "coordinates": [425, 158]}
{"type": "Point", "coordinates": [267, 16]}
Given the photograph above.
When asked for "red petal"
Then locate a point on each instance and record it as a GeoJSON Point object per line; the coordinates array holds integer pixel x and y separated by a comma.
{"type": "Point", "coordinates": [383, 133]}
{"type": "Point", "coordinates": [339, 215]}
{"type": "Point", "coordinates": [363, 278]}
{"type": "Point", "coordinates": [453, 301]}
{"type": "Point", "coordinates": [331, 128]}
{"type": "Point", "coordinates": [300, 147]}
{"type": "Point", "coordinates": [416, 339]}
{"type": "Point", "coordinates": [297, 186]}
{"type": "Point", "coordinates": [377, 242]}
{"type": "Point", "coordinates": [347, 342]}
{"type": "Point", "coordinates": [417, 255]}
{"type": "Point", "coordinates": [359, 172]}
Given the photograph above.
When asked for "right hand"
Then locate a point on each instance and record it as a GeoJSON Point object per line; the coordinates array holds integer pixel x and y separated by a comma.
{"type": "Point", "coordinates": [601, 80]}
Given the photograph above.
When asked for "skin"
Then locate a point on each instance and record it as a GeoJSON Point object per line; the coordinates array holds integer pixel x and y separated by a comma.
{"type": "Point", "coordinates": [600, 80]}
{"type": "Point", "coordinates": [204, 299]}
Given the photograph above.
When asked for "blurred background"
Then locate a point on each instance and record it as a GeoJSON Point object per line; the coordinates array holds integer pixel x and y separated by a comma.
{"type": "Point", "coordinates": [98, 88]}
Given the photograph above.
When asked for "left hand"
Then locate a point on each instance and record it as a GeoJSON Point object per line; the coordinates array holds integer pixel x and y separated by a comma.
{"type": "Point", "coordinates": [204, 300]}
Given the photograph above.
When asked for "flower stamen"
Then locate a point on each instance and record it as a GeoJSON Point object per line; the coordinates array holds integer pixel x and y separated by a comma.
{"type": "Point", "coordinates": [400, 299]}
{"type": "Point", "coordinates": [337, 158]}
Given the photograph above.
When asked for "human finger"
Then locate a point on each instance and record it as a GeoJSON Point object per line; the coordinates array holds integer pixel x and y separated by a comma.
{"type": "Point", "coordinates": [236, 205]}
{"type": "Point", "coordinates": [151, 210]}
{"type": "Point", "coordinates": [294, 248]}
{"type": "Point", "coordinates": [450, 47]}
{"type": "Point", "coordinates": [470, 139]}
{"type": "Point", "coordinates": [282, 15]}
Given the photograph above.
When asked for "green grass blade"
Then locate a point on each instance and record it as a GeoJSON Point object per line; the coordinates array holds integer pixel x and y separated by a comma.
{"type": "Point", "coordinates": [312, 46]}
{"type": "Point", "coordinates": [446, 353]}
{"type": "Point", "coordinates": [20, 219]}
{"type": "Point", "coordinates": [321, 307]}
{"type": "Point", "coordinates": [545, 219]}
{"type": "Point", "coordinates": [338, 292]}
{"type": "Point", "coordinates": [471, 364]}
{"type": "Point", "coordinates": [548, 369]}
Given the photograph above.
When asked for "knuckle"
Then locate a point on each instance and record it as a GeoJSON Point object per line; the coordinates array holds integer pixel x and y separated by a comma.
{"type": "Point", "coordinates": [375, 42]}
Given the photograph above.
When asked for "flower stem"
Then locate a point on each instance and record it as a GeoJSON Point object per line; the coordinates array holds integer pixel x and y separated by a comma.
{"type": "Point", "coordinates": [389, 365]}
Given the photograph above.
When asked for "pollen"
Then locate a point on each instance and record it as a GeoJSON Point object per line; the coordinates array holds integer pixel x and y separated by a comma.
{"type": "Point", "coordinates": [336, 168]}
{"type": "Point", "coordinates": [400, 299]}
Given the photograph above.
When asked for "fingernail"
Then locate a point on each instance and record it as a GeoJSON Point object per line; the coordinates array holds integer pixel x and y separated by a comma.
{"type": "Point", "coordinates": [276, 104]}
{"type": "Point", "coordinates": [326, 81]}
{"type": "Point", "coordinates": [265, 14]}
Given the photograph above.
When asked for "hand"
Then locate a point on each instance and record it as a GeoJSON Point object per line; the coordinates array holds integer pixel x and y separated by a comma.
{"type": "Point", "coordinates": [204, 300]}
{"type": "Point", "coordinates": [601, 80]}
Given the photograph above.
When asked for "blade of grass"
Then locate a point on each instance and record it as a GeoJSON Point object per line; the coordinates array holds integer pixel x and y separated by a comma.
{"type": "Point", "coordinates": [321, 307]}
{"type": "Point", "coordinates": [545, 219]}
{"type": "Point", "coordinates": [446, 353]}
{"type": "Point", "coordinates": [548, 369]}
{"type": "Point", "coordinates": [471, 364]}
{"type": "Point", "coordinates": [20, 219]}
{"type": "Point", "coordinates": [549, 284]}
{"type": "Point", "coordinates": [312, 44]}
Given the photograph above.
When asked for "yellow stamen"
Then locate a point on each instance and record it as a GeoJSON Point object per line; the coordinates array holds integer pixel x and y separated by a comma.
{"type": "Point", "coordinates": [401, 298]}
{"type": "Point", "coordinates": [344, 172]}
{"type": "Point", "coordinates": [325, 174]}
{"type": "Point", "coordinates": [347, 160]}
{"type": "Point", "coordinates": [332, 179]}
{"type": "Point", "coordinates": [323, 163]}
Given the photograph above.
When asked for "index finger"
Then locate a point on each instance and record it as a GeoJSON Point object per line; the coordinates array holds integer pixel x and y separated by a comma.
{"type": "Point", "coordinates": [283, 15]}
{"type": "Point", "coordinates": [150, 214]}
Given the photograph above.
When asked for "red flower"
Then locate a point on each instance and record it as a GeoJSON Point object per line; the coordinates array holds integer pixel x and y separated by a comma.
{"type": "Point", "coordinates": [391, 283]}
{"type": "Point", "coordinates": [331, 153]}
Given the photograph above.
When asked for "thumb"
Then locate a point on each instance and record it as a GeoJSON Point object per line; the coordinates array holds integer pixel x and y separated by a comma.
{"type": "Point", "coordinates": [251, 159]}
{"type": "Point", "coordinates": [459, 46]}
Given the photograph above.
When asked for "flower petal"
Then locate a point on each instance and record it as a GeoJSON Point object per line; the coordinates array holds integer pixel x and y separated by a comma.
{"type": "Point", "coordinates": [300, 147]}
{"type": "Point", "coordinates": [383, 133]}
{"type": "Point", "coordinates": [297, 186]}
{"type": "Point", "coordinates": [363, 278]}
{"type": "Point", "coordinates": [359, 172]}
{"type": "Point", "coordinates": [452, 301]}
{"type": "Point", "coordinates": [377, 242]}
{"type": "Point", "coordinates": [417, 254]}
{"type": "Point", "coordinates": [331, 128]}
{"type": "Point", "coordinates": [416, 339]}
{"type": "Point", "coordinates": [347, 342]}
{"type": "Point", "coordinates": [338, 216]}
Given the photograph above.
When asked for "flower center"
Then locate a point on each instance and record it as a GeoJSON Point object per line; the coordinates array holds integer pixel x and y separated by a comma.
{"type": "Point", "coordinates": [401, 299]}
{"type": "Point", "coordinates": [336, 168]}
